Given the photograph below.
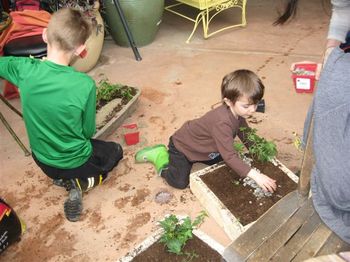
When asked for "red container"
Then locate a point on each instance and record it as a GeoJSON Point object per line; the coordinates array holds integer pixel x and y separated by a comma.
{"type": "Point", "coordinates": [131, 134]}
{"type": "Point", "coordinates": [304, 77]}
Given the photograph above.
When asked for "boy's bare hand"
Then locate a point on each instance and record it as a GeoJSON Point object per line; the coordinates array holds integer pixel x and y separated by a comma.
{"type": "Point", "coordinates": [265, 182]}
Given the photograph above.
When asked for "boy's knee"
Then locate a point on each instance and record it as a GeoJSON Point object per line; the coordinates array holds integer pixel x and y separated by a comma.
{"type": "Point", "coordinates": [181, 185]}
{"type": "Point", "coordinates": [119, 151]}
{"type": "Point", "coordinates": [175, 179]}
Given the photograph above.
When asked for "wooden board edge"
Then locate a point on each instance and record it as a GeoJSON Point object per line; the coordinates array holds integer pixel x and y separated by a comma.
{"type": "Point", "coordinates": [216, 209]}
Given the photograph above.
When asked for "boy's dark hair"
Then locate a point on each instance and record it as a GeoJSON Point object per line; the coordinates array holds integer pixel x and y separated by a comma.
{"type": "Point", "coordinates": [242, 82]}
{"type": "Point", "coordinates": [68, 29]}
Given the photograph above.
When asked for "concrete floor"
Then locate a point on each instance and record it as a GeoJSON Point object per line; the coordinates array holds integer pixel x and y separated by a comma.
{"type": "Point", "coordinates": [179, 81]}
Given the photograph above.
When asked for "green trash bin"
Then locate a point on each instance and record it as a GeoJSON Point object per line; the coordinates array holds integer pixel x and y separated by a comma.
{"type": "Point", "coordinates": [143, 18]}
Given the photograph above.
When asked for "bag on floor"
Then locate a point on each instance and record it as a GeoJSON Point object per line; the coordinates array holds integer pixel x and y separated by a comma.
{"type": "Point", "coordinates": [10, 226]}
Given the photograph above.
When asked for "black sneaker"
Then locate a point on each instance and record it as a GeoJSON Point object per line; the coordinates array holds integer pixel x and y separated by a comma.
{"type": "Point", "coordinates": [58, 182]}
{"type": "Point", "coordinates": [73, 206]}
{"type": "Point", "coordinates": [67, 184]}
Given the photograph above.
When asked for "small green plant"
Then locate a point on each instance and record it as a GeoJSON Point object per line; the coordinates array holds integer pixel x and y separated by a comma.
{"type": "Point", "coordinates": [178, 231]}
{"type": "Point", "coordinates": [259, 147]}
{"type": "Point", "coordinates": [239, 147]}
{"type": "Point", "coordinates": [107, 91]}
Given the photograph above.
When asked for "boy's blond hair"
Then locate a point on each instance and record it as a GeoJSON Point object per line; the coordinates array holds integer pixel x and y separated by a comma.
{"type": "Point", "coordinates": [68, 29]}
{"type": "Point", "coordinates": [240, 83]}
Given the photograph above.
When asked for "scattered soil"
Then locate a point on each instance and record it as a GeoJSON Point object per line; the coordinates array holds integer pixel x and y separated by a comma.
{"type": "Point", "coordinates": [241, 196]}
{"type": "Point", "coordinates": [200, 251]}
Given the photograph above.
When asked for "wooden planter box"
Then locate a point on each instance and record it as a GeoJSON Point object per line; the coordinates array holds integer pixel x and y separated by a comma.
{"type": "Point", "coordinates": [118, 118]}
{"type": "Point", "coordinates": [148, 242]}
{"type": "Point", "coordinates": [214, 206]}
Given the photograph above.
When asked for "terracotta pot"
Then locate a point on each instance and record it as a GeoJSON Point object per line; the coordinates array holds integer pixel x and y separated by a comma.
{"type": "Point", "coordinates": [94, 45]}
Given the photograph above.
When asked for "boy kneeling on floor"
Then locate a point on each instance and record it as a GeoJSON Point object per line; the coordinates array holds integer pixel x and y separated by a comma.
{"type": "Point", "coordinates": [59, 110]}
{"type": "Point", "coordinates": [209, 139]}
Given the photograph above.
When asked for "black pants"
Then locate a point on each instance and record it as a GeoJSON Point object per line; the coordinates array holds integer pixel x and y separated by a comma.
{"type": "Point", "coordinates": [105, 156]}
{"type": "Point", "coordinates": [178, 172]}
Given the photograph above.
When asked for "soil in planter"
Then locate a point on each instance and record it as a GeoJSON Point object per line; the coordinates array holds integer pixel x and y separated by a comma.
{"type": "Point", "coordinates": [106, 113]}
{"type": "Point", "coordinates": [240, 199]}
{"type": "Point", "coordinates": [201, 252]}
{"type": "Point", "coordinates": [132, 91]}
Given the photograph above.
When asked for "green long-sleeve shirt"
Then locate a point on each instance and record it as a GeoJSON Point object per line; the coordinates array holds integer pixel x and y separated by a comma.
{"type": "Point", "coordinates": [59, 109]}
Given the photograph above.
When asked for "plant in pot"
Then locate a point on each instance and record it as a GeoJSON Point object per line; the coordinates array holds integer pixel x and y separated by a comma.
{"type": "Point", "coordinates": [178, 240]}
{"type": "Point", "coordinates": [260, 149]}
{"type": "Point", "coordinates": [94, 43]}
{"type": "Point", "coordinates": [230, 197]}
{"type": "Point", "coordinates": [114, 102]}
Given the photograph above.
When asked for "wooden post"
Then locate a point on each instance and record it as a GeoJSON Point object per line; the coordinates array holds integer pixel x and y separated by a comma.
{"type": "Point", "coordinates": [306, 166]}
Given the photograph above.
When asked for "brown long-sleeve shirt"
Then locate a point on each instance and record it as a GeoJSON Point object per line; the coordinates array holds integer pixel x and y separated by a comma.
{"type": "Point", "coordinates": [210, 135]}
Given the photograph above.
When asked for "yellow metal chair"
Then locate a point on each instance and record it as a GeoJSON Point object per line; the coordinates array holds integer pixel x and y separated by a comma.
{"type": "Point", "coordinates": [208, 9]}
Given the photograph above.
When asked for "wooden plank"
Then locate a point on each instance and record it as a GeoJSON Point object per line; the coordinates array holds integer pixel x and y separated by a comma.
{"type": "Point", "coordinates": [292, 247]}
{"type": "Point", "coordinates": [327, 258]}
{"type": "Point", "coordinates": [306, 166]}
{"type": "Point", "coordinates": [284, 233]}
{"type": "Point", "coordinates": [263, 228]}
{"type": "Point", "coordinates": [334, 244]}
{"type": "Point", "coordinates": [315, 243]}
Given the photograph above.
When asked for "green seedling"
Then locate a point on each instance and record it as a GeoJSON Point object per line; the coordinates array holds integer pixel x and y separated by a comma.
{"type": "Point", "coordinates": [107, 91]}
{"type": "Point", "coordinates": [259, 148]}
{"type": "Point", "coordinates": [239, 147]}
{"type": "Point", "coordinates": [178, 231]}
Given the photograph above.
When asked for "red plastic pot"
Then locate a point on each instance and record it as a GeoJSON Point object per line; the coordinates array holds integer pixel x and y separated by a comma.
{"type": "Point", "coordinates": [131, 134]}
{"type": "Point", "coordinates": [304, 77]}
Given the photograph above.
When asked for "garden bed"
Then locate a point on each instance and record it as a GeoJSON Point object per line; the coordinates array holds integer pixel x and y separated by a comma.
{"type": "Point", "coordinates": [111, 114]}
{"type": "Point", "coordinates": [235, 203]}
{"type": "Point", "coordinates": [201, 246]}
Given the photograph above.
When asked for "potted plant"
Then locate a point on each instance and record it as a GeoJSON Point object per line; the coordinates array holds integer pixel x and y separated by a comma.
{"type": "Point", "coordinates": [143, 18]}
{"type": "Point", "coordinates": [177, 240]}
{"type": "Point", "coordinates": [114, 102]}
{"type": "Point", "coordinates": [229, 197]}
{"type": "Point", "coordinates": [95, 42]}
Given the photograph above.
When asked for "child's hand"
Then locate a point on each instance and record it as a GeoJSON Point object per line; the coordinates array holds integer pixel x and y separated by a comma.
{"type": "Point", "coordinates": [266, 183]}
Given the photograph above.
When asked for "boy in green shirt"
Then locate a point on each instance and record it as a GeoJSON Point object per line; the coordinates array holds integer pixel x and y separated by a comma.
{"type": "Point", "coordinates": [59, 109]}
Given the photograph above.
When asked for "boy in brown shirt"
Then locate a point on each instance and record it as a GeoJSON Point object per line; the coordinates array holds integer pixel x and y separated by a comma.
{"type": "Point", "coordinates": [209, 139]}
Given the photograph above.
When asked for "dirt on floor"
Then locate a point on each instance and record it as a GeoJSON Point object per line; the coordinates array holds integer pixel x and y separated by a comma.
{"type": "Point", "coordinates": [179, 81]}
